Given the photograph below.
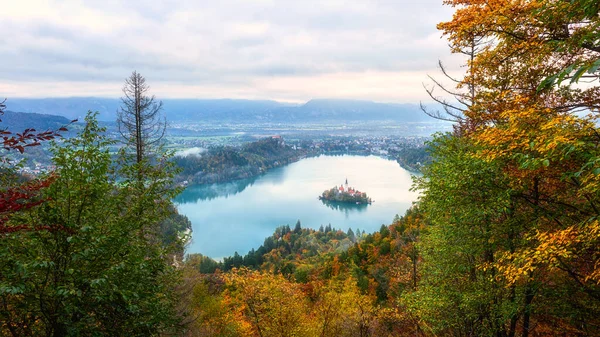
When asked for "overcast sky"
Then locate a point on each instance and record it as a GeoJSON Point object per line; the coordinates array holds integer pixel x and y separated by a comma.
{"type": "Point", "coordinates": [286, 50]}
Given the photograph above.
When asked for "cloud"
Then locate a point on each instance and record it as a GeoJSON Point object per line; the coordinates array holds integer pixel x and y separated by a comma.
{"type": "Point", "coordinates": [195, 151]}
{"type": "Point", "coordinates": [283, 50]}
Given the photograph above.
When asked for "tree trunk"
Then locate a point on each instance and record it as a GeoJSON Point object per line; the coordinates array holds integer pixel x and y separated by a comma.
{"type": "Point", "coordinates": [527, 314]}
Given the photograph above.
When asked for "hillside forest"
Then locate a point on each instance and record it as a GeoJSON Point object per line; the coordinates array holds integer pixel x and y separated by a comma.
{"type": "Point", "coordinates": [224, 164]}
{"type": "Point", "coordinates": [504, 240]}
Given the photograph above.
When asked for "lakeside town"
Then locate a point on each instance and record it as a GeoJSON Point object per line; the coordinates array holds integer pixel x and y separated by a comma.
{"type": "Point", "coordinates": [409, 151]}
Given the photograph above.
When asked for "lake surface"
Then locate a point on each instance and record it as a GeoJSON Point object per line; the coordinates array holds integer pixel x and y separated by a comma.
{"type": "Point", "coordinates": [238, 216]}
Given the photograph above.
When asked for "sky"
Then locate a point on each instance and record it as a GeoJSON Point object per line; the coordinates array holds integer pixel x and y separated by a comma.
{"type": "Point", "coordinates": [285, 50]}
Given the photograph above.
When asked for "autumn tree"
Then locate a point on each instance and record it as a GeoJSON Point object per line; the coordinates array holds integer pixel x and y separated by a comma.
{"type": "Point", "coordinates": [268, 303]}
{"type": "Point", "coordinates": [139, 120]}
{"type": "Point", "coordinates": [341, 310]}
{"type": "Point", "coordinates": [542, 194]}
{"type": "Point", "coordinates": [15, 194]}
{"type": "Point", "coordinates": [462, 96]}
{"type": "Point", "coordinates": [471, 223]}
{"type": "Point", "coordinates": [18, 141]}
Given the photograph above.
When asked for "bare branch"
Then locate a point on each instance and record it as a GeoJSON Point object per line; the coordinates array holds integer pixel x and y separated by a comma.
{"type": "Point", "coordinates": [139, 118]}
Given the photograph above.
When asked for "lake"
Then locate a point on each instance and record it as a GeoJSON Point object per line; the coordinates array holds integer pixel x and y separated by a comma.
{"type": "Point", "coordinates": [238, 216]}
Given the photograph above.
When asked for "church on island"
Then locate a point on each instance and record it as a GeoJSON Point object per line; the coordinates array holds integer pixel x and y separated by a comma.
{"type": "Point", "coordinates": [345, 194]}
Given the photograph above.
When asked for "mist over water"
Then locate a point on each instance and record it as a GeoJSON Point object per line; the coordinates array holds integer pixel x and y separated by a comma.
{"type": "Point", "coordinates": [238, 216]}
{"type": "Point", "coordinates": [195, 151]}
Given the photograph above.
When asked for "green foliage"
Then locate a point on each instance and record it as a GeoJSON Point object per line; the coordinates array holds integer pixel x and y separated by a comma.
{"type": "Point", "coordinates": [175, 230]}
{"type": "Point", "coordinates": [286, 248]}
{"type": "Point", "coordinates": [227, 163]}
{"type": "Point", "coordinates": [465, 200]}
{"type": "Point", "coordinates": [412, 158]}
{"type": "Point", "coordinates": [98, 268]}
{"type": "Point", "coordinates": [335, 195]}
{"type": "Point", "coordinates": [346, 288]}
{"type": "Point", "coordinates": [504, 239]}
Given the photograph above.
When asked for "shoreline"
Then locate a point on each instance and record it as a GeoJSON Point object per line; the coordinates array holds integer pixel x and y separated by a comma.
{"type": "Point", "coordinates": [410, 170]}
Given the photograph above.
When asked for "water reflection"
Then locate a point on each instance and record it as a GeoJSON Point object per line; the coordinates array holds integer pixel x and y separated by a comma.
{"type": "Point", "coordinates": [238, 216]}
{"type": "Point", "coordinates": [276, 176]}
{"type": "Point", "coordinates": [197, 193]}
{"type": "Point", "coordinates": [344, 206]}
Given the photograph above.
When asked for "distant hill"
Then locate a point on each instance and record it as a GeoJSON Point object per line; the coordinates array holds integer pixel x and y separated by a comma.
{"type": "Point", "coordinates": [225, 164]}
{"type": "Point", "coordinates": [19, 121]}
{"type": "Point", "coordinates": [354, 110]}
{"type": "Point", "coordinates": [71, 108]}
{"type": "Point", "coordinates": [232, 110]}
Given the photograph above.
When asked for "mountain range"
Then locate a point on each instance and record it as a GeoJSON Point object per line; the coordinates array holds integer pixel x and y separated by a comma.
{"type": "Point", "coordinates": [19, 121]}
{"type": "Point", "coordinates": [231, 110]}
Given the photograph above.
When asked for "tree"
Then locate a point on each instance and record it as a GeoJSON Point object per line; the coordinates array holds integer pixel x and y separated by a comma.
{"type": "Point", "coordinates": [16, 195]}
{"type": "Point", "coordinates": [526, 223]}
{"type": "Point", "coordinates": [351, 235]}
{"type": "Point", "coordinates": [298, 227]}
{"type": "Point", "coordinates": [29, 137]}
{"type": "Point", "coordinates": [98, 270]}
{"type": "Point", "coordinates": [468, 204]}
{"type": "Point", "coordinates": [139, 120]}
{"type": "Point", "coordinates": [213, 310]}
{"type": "Point", "coordinates": [268, 303]}
{"type": "Point", "coordinates": [341, 310]}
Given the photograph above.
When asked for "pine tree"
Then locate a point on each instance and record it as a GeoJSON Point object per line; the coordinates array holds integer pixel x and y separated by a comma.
{"type": "Point", "coordinates": [139, 120]}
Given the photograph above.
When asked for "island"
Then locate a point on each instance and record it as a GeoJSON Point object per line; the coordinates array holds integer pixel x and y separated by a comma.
{"type": "Point", "coordinates": [345, 194]}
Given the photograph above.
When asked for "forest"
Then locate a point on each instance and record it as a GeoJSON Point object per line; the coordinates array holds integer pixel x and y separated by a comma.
{"type": "Point", "coordinates": [412, 158]}
{"type": "Point", "coordinates": [226, 163]}
{"type": "Point", "coordinates": [503, 241]}
{"type": "Point", "coordinates": [222, 164]}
